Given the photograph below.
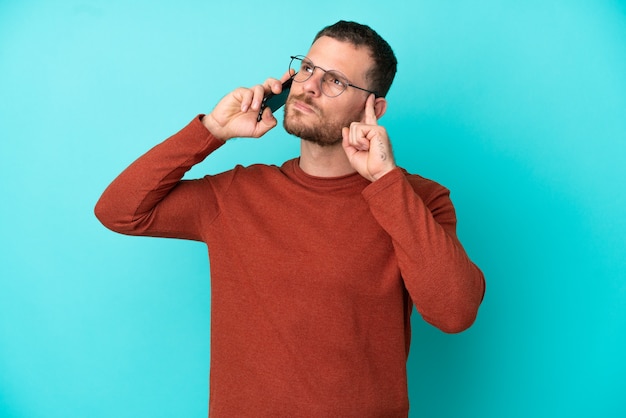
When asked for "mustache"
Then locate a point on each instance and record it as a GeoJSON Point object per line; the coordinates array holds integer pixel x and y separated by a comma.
{"type": "Point", "coordinates": [306, 99]}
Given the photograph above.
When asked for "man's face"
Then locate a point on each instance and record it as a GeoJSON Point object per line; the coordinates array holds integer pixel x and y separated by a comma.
{"type": "Point", "coordinates": [315, 117]}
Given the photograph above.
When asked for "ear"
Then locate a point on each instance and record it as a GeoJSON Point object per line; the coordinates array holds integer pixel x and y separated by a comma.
{"type": "Point", "coordinates": [380, 107]}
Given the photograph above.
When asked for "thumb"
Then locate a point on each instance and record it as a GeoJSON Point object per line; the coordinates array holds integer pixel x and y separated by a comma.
{"type": "Point", "coordinates": [267, 123]}
{"type": "Point", "coordinates": [345, 133]}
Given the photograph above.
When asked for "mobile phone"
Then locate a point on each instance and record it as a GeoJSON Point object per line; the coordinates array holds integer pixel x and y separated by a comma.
{"type": "Point", "coordinates": [275, 101]}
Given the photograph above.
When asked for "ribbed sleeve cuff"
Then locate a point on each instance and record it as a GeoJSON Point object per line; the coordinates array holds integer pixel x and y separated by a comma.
{"type": "Point", "coordinates": [195, 130]}
{"type": "Point", "coordinates": [392, 178]}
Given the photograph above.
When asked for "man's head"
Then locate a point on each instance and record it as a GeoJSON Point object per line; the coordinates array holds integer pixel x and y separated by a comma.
{"type": "Point", "coordinates": [381, 74]}
{"type": "Point", "coordinates": [363, 58]}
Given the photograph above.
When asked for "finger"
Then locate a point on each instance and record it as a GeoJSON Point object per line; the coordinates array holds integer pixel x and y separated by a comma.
{"type": "Point", "coordinates": [358, 136]}
{"type": "Point", "coordinates": [276, 85]}
{"type": "Point", "coordinates": [286, 76]}
{"type": "Point", "coordinates": [273, 85]}
{"type": "Point", "coordinates": [246, 96]}
{"type": "Point", "coordinates": [345, 134]}
{"type": "Point", "coordinates": [347, 147]}
{"type": "Point", "coordinates": [370, 111]}
{"type": "Point", "coordinates": [268, 118]}
{"type": "Point", "coordinates": [258, 92]}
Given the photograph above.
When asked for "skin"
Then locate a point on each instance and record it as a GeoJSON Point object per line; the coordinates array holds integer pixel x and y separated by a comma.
{"type": "Point", "coordinates": [349, 139]}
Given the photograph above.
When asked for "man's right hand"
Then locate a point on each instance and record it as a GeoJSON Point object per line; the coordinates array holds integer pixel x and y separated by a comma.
{"type": "Point", "coordinates": [235, 116]}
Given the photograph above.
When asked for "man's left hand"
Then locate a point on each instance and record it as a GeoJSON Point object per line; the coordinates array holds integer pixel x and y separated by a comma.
{"type": "Point", "coordinates": [367, 145]}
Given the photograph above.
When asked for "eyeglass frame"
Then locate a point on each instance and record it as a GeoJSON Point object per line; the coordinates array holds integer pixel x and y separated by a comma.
{"type": "Point", "coordinates": [301, 58]}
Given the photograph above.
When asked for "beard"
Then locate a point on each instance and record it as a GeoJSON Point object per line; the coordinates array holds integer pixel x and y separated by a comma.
{"type": "Point", "coordinates": [326, 132]}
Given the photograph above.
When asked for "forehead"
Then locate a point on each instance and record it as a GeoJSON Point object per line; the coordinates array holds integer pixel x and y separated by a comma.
{"type": "Point", "coordinates": [331, 54]}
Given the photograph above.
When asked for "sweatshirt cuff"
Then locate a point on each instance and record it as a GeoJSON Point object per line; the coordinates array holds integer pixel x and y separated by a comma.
{"type": "Point", "coordinates": [394, 177]}
{"type": "Point", "coordinates": [195, 135]}
{"type": "Point", "coordinates": [198, 127]}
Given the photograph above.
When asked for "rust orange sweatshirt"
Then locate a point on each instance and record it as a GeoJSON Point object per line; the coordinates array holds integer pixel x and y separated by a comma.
{"type": "Point", "coordinates": [312, 279]}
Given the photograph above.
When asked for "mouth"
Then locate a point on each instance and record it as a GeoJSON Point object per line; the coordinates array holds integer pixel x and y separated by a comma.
{"type": "Point", "coordinates": [303, 106]}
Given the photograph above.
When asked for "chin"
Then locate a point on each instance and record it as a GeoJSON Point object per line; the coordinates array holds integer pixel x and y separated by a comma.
{"type": "Point", "coordinates": [312, 128]}
{"type": "Point", "coordinates": [320, 135]}
{"type": "Point", "coordinates": [323, 142]}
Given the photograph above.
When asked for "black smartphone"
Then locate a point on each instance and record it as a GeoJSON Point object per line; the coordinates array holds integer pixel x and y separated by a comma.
{"type": "Point", "coordinates": [275, 101]}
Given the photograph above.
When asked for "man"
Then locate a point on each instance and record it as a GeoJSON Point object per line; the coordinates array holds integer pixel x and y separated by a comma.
{"type": "Point", "coordinates": [315, 265]}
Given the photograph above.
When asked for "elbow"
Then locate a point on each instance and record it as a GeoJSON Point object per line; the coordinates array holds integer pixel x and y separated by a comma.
{"type": "Point", "coordinates": [462, 309]}
{"type": "Point", "coordinates": [455, 324]}
{"type": "Point", "coordinates": [108, 217]}
{"type": "Point", "coordinates": [104, 216]}
{"type": "Point", "coordinates": [456, 316]}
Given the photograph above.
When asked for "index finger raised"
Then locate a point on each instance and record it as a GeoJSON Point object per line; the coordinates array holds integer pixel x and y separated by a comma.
{"type": "Point", "coordinates": [370, 112]}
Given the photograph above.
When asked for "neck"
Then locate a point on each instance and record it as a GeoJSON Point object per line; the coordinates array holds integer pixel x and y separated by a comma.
{"type": "Point", "coordinates": [324, 161]}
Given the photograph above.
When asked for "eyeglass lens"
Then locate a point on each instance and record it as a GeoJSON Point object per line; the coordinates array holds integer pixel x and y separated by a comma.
{"type": "Point", "coordinates": [332, 82]}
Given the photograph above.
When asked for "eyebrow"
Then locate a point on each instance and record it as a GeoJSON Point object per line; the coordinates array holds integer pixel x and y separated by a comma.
{"type": "Point", "coordinates": [309, 61]}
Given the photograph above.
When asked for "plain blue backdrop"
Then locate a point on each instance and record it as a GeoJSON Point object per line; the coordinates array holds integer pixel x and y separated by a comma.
{"type": "Point", "coordinates": [518, 107]}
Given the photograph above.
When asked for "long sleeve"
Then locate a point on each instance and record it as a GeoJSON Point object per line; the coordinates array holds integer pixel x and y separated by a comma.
{"type": "Point", "coordinates": [149, 197]}
{"type": "Point", "coordinates": [445, 286]}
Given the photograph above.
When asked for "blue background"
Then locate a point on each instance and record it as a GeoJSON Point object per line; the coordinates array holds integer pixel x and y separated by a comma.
{"type": "Point", "coordinates": [518, 107]}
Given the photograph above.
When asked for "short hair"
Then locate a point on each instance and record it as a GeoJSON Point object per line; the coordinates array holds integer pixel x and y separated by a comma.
{"type": "Point", "coordinates": [382, 73]}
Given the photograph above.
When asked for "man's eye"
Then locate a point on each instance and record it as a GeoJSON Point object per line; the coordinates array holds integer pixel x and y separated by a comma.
{"type": "Point", "coordinates": [335, 81]}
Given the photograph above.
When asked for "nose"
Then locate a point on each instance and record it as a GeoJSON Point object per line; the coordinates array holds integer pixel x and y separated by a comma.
{"type": "Point", "coordinates": [313, 85]}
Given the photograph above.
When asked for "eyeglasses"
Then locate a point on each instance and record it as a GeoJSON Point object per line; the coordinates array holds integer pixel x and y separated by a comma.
{"type": "Point", "coordinates": [333, 83]}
